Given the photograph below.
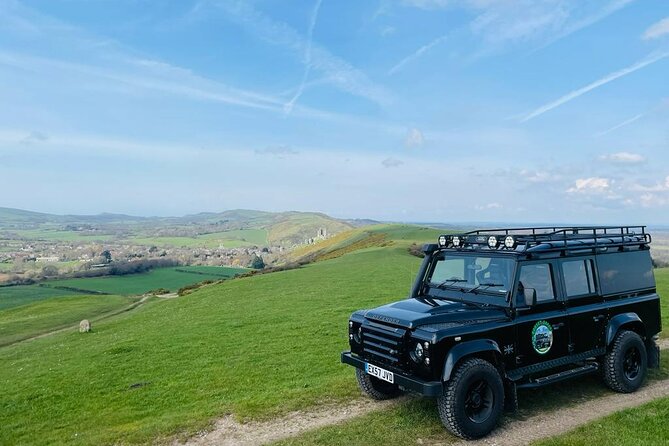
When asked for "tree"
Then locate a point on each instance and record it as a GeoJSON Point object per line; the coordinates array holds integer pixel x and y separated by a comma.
{"type": "Point", "coordinates": [257, 262]}
{"type": "Point", "coordinates": [106, 256]}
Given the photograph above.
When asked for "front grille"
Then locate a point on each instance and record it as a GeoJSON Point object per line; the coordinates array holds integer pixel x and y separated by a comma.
{"type": "Point", "coordinates": [383, 344]}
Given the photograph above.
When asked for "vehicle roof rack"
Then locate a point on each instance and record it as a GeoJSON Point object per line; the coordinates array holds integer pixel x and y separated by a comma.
{"type": "Point", "coordinates": [558, 238]}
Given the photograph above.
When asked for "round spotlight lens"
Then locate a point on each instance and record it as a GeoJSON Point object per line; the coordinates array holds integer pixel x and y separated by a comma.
{"type": "Point", "coordinates": [509, 242]}
{"type": "Point", "coordinates": [456, 241]}
{"type": "Point", "coordinates": [442, 240]}
{"type": "Point", "coordinates": [492, 241]}
{"type": "Point", "coordinates": [419, 351]}
{"type": "Point", "coordinates": [427, 361]}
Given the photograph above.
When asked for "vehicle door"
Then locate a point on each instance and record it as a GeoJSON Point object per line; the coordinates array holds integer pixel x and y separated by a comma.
{"type": "Point", "coordinates": [586, 312]}
{"type": "Point", "coordinates": [542, 333]}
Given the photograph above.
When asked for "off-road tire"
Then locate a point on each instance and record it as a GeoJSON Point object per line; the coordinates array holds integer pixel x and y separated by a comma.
{"type": "Point", "coordinates": [452, 404]}
{"type": "Point", "coordinates": [613, 365]}
{"type": "Point", "coordinates": [375, 388]}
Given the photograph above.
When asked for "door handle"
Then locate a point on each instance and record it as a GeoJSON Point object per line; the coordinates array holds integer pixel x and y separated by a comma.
{"type": "Point", "coordinates": [598, 318]}
{"type": "Point", "coordinates": [558, 325]}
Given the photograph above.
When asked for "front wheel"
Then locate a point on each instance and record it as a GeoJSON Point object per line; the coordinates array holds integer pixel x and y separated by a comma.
{"type": "Point", "coordinates": [374, 387]}
{"type": "Point", "coordinates": [625, 365]}
{"type": "Point", "coordinates": [473, 399]}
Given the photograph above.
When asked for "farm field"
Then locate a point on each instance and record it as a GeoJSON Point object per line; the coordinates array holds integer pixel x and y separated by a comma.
{"type": "Point", "coordinates": [229, 239]}
{"type": "Point", "coordinates": [44, 316]}
{"type": "Point", "coordinates": [128, 285]}
{"type": "Point", "coordinates": [132, 284]}
{"type": "Point", "coordinates": [255, 347]}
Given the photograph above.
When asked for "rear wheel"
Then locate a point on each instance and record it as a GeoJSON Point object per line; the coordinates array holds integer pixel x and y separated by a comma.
{"type": "Point", "coordinates": [473, 399]}
{"type": "Point", "coordinates": [376, 388]}
{"type": "Point", "coordinates": [624, 367]}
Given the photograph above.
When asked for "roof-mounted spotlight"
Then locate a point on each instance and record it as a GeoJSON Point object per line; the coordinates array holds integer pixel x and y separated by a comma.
{"type": "Point", "coordinates": [509, 242]}
{"type": "Point", "coordinates": [456, 241]}
{"type": "Point", "coordinates": [443, 241]}
{"type": "Point", "coordinates": [492, 241]}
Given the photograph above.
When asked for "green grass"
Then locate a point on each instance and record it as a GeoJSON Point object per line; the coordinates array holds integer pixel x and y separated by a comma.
{"type": "Point", "coordinates": [132, 284]}
{"type": "Point", "coordinates": [15, 296]}
{"type": "Point", "coordinates": [254, 347]}
{"type": "Point", "coordinates": [229, 239]}
{"type": "Point", "coordinates": [41, 317]}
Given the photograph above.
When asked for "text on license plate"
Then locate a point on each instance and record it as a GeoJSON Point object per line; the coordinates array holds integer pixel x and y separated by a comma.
{"type": "Point", "coordinates": [379, 373]}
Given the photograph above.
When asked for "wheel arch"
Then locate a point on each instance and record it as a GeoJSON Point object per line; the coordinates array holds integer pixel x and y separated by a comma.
{"type": "Point", "coordinates": [627, 321]}
{"type": "Point", "coordinates": [486, 349]}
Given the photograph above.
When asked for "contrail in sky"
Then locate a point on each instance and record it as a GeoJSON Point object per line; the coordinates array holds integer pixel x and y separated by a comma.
{"type": "Point", "coordinates": [307, 59]}
{"type": "Point", "coordinates": [651, 59]}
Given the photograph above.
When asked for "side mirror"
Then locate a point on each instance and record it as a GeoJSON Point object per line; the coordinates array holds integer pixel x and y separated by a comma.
{"type": "Point", "coordinates": [530, 295]}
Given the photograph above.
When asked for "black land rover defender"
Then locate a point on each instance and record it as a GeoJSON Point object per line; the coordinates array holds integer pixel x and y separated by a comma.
{"type": "Point", "coordinates": [492, 311]}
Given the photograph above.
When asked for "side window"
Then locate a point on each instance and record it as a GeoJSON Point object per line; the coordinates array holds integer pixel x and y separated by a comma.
{"type": "Point", "coordinates": [448, 269]}
{"type": "Point", "coordinates": [578, 277]}
{"type": "Point", "coordinates": [539, 277]}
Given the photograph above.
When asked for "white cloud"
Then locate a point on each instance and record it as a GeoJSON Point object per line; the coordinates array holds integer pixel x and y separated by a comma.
{"type": "Point", "coordinates": [539, 176]}
{"type": "Point", "coordinates": [650, 59]}
{"type": "Point", "coordinates": [391, 162]}
{"type": "Point", "coordinates": [414, 138]}
{"type": "Point", "coordinates": [488, 206]}
{"type": "Point", "coordinates": [623, 158]}
{"type": "Point", "coordinates": [592, 185]}
{"type": "Point", "coordinates": [656, 30]}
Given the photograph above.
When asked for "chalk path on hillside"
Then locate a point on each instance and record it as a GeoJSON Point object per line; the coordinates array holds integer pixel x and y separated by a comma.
{"type": "Point", "coordinates": [228, 432]}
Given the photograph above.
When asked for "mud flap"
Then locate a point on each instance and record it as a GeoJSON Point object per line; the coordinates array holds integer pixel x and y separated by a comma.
{"type": "Point", "coordinates": [653, 354]}
{"type": "Point", "coordinates": [510, 396]}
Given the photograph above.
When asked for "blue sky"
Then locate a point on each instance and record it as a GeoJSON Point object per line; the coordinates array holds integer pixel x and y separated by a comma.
{"type": "Point", "coordinates": [411, 110]}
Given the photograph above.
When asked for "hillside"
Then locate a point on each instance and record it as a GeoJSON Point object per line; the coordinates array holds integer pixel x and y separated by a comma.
{"type": "Point", "coordinates": [254, 347]}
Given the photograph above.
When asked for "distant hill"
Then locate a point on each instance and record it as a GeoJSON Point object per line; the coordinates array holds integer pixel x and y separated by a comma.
{"type": "Point", "coordinates": [282, 228]}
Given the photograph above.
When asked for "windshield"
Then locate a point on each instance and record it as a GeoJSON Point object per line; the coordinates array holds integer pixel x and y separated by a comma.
{"type": "Point", "coordinates": [472, 273]}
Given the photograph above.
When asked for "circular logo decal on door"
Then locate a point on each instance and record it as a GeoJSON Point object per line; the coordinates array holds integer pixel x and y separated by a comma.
{"type": "Point", "coordinates": [542, 337]}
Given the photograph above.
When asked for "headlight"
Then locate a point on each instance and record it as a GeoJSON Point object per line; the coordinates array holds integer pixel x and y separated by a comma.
{"type": "Point", "coordinates": [492, 241]}
{"type": "Point", "coordinates": [443, 240]}
{"type": "Point", "coordinates": [418, 353]}
{"type": "Point", "coordinates": [456, 241]}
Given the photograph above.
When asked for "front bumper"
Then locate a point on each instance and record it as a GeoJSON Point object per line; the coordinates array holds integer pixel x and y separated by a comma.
{"type": "Point", "coordinates": [425, 388]}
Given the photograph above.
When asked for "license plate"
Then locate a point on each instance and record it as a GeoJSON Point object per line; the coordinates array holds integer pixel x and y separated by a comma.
{"type": "Point", "coordinates": [380, 373]}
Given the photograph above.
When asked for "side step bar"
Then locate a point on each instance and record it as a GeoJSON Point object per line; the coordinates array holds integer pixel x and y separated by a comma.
{"type": "Point", "coordinates": [561, 376]}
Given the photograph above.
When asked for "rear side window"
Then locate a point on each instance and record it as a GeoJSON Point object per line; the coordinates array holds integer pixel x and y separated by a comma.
{"type": "Point", "coordinates": [625, 271]}
{"type": "Point", "coordinates": [578, 277]}
{"type": "Point", "coordinates": [539, 277]}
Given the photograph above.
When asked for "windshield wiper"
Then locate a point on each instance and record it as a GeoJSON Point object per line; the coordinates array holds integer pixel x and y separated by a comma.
{"type": "Point", "coordinates": [447, 281]}
{"type": "Point", "coordinates": [486, 285]}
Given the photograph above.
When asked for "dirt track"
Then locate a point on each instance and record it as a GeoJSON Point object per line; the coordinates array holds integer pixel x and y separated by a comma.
{"type": "Point", "coordinates": [228, 432]}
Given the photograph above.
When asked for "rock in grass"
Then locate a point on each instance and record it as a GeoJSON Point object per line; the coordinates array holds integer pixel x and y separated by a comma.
{"type": "Point", "coordinates": [84, 326]}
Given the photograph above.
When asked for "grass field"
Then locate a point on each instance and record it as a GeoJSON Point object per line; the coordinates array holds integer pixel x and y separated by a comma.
{"type": "Point", "coordinates": [15, 296]}
{"type": "Point", "coordinates": [132, 284]}
{"type": "Point", "coordinates": [255, 347]}
{"type": "Point", "coordinates": [229, 239]}
{"type": "Point", "coordinates": [40, 317]}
